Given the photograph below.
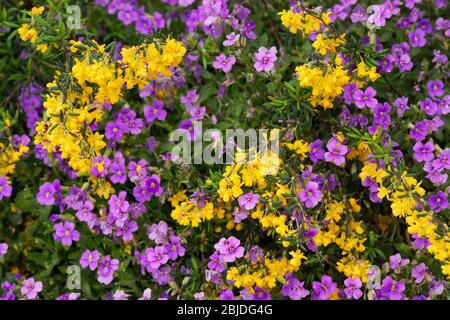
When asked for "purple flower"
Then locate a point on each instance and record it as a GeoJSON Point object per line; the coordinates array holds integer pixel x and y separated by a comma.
{"type": "Point", "coordinates": [436, 288]}
{"type": "Point", "coordinates": [419, 272]}
{"type": "Point", "coordinates": [158, 232]}
{"type": "Point", "coordinates": [420, 243]}
{"type": "Point", "coordinates": [105, 272]}
{"type": "Point", "coordinates": [118, 204]}
{"type": "Point", "coordinates": [90, 259]}
{"type": "Point", "coordinates": [439, 57]}
{"type": "Point", "coordinates": [69, 296]}
{"type": "Point", "coordinates": [423, 152]}
{"type": "Point", "coordinates": [46, 194]}
{"type": "Point", "coordinates": [311, 195]}
{"type": "Point", "coordinates": [5, 188]}
{"type": "Point", "coordinates": [30, 288]}
{"type": "Point", "coordinates": [152, 185]}
{"type": "Point", "coordinates": [155, 111]}
{"type": "Point", "coordinates": [435, 88]}
{"type": "Point", "coordinates": [99, 167]}
{"type": "Point", "coordinates": [230, 249]}
{"type": "Point", "coordinates": [232, 38]}
{"type": "Point", "coordinates": [366, 98]}
{"type": "Point", "coordinates": [126, 230]}
{"type": "Point", "coordinates": [396, 262]}
{"type": "Point", "coordinates": [265, 59]}
{"type": "Point", "coordinates": [156, 257]}
{"type": "Point", "coordinates": [224, 63]}
{"type": "Point", "coordinates": [3, 249]}
{"type": "Point", "coordinates": [260, 294]}
{"type": "Point", "coordinates": [226, 295]}
{"type": "Point", "coordinates": [147, 295]}
{"type": "Point", "coordinates": [417, 38]}
{"type": "Point", "coordinates": [118, 174]}
{"type": "Point", "coordinates": [137, 171]}
{"type": "Point", "coordinates": [293, 288]}
{"type": "Point", "coordinates": [316, 153]}
{"type": "Point", "coordinates": [84, 210]}
{"type": "Point", "coordinates": [429, 106]}
{"type": "Point", "coordinates": [391, 289]}
{"type": "Point", "coordinates": [120, 295]}
{"type": "Point", "coordinates": [248, 201]}
{"type": "Point", "coordinates": [191, 129]}
{"type": "Point", "coordinates": [378, 16]}
{"type": "Point", "coordinates": [174, 248]}
{"type": "Point", "coordinates": [352, 289]}
{"type": "Point", "coordinates": [438, 202]}
{"type": "Point", "coordinates": [336, 152]}
{"type": "Point", "coordinates": [65, 233]}
{"type": "Point", "coordinates": [197, 113]}
{"type": "Point", "coordinates": [216, 262]}
{"type": "Point", "coordinates": [420, 131]}
{"type": "Point", "coordinates": [127, 14]}
{"type": "Point", "coordinates": [240, 214]}
{"type": "Point", "coordinates": [323, 290]}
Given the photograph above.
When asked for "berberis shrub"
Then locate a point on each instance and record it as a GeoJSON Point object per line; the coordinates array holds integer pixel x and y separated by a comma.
{"type": "Point", "coordinates": [101, 197]}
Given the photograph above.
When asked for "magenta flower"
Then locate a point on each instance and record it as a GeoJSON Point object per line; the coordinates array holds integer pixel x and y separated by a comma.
{"type": "Point", "coordinates": [90, 259]}
{"type": "Point", "coordinates": [224, 63]}
{"type": "Point", "coordinates": [323, 290]}
{"type": "Point", "coordinates": [352, 289]}
{"type": "Point", "coordinates": [366, 98]}
{"type": "Point", "coordinates": [157, 256]}
{"type": "Point", "coordinates": [265, 59]}
{"type": "Point", "coordinates": [248, 201]}
{"type": "Point", "coordinates": [5, 188]}
{"type": "Point", "coordinates": [423, 152]}
{"type": "Point", "coordinates": [311, 195]}
{"type": "Point", "coordinates": [30, 288]}
{"type": "Point", "coordinates": [438, 202]}
{"type": "Point", "coordinates": [336, 152]}
{"type": "Point", "coordinates": [230, 249]}
{"type": "Point", "coordinates": [65, 233]}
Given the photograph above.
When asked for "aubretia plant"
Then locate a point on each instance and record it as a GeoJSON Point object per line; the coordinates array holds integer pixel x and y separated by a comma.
{"type": "Point", "coordinates": [350, 202]}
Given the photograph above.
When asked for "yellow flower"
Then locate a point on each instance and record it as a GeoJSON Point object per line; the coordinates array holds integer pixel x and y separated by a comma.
{"type": "Point", "coordinates": [37, 11]}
